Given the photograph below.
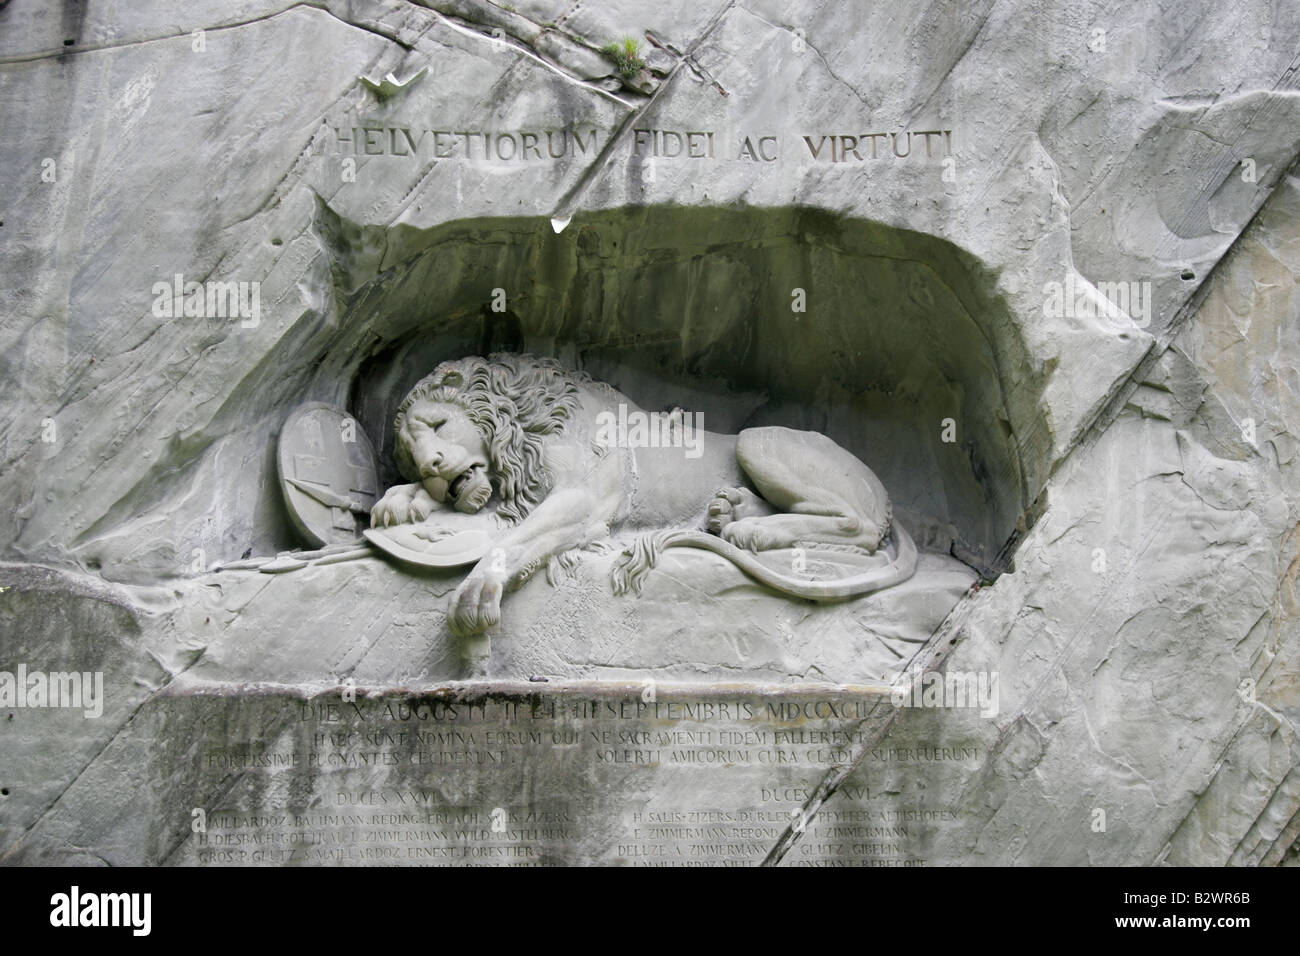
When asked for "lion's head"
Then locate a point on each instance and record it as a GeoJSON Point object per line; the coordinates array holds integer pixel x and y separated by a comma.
{"type": "Point", "coordinates": [476, 425]}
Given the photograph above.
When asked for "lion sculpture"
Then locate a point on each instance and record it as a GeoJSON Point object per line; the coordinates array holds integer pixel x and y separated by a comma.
{"type": "Point", "coordinates": [532, 436]}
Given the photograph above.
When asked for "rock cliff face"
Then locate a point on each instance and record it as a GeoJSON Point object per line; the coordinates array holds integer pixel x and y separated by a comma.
{"type": "Point", "coordinates": [1036, 264]}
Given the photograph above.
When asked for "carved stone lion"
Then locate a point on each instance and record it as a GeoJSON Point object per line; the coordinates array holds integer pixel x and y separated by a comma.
{"type": "Point", "coordinates": [541, 442]}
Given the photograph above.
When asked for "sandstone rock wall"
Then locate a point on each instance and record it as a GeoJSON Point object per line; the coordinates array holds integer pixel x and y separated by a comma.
{"type": "Point", "coordinates": [953, 192]}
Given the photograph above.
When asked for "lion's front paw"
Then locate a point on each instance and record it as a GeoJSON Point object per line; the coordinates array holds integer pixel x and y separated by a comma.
{"type": "Point", "coordinates": [476, 605]}
{"type": "Point", "coordinates": [395, 507]}
{"type": "Point", "coordinates": [422, 505]}
{"type": "Point", "coordinates": [751, 534]}
{"type": "Point", "coordinates": [402, 504]}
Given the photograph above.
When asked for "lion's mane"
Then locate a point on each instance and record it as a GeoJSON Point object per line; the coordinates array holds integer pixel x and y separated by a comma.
{"type": "Point", "coordinates": [515, 401]}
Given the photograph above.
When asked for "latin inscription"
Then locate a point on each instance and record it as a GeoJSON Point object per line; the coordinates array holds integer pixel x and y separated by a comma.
{"type": "Point", "coordinates": [554, 779]}
{"type": "Point", "coordinates": [512, 146]}
{"type": "Point", "coordinates": [641, 144]}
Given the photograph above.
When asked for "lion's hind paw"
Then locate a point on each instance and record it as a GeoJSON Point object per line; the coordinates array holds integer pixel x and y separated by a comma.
{"type": "Point", "coordinates": [732, 504]}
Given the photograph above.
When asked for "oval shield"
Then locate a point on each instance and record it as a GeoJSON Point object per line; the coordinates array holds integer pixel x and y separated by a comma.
{"type": "Point", "coordinates": [444, 540]}
{"type": "Point", "coordinates": [327, 474]}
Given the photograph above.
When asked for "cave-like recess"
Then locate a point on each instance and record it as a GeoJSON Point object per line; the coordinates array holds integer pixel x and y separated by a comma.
{"type": "Point", "coordinates": [692, 306]}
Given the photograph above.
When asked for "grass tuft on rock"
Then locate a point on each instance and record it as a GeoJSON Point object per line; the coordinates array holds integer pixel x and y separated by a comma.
{"type": "Point", "coordinates": [626, 54]}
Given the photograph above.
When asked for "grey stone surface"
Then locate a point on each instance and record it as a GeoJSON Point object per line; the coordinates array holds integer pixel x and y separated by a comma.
{"type": "Point", "coordinates": [893, 227]}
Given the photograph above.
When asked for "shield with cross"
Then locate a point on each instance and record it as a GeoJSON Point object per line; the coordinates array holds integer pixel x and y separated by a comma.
{"type": "Point", "coordinates": [327, 474]}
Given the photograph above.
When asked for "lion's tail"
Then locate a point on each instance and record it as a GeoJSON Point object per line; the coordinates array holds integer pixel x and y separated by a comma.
{"type": "Point", "coordinates": [631, 567]}
{"type": "Point", "coordinates": [630, 570]}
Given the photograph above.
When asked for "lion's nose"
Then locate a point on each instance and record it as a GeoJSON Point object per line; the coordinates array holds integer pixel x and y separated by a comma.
{"type": "Point", "coordinates": [431, 463]}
